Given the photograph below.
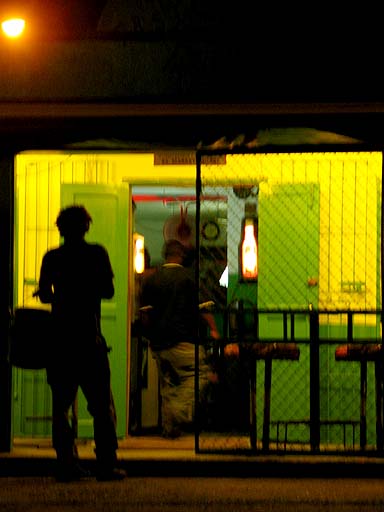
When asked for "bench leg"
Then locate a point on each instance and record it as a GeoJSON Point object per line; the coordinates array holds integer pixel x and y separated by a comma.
{"type": "Point", "coordinates": [363, 404]}
{"type": "Point", "coordinates": [267, 402]}
{"type": "Point", "coordinates": [253, 415]}
{"type": "Point", "coordinates": [379, 405]}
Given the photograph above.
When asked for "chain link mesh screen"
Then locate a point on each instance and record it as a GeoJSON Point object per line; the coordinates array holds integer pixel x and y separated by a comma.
{"type": "Point", "coordinates": [317, 220]}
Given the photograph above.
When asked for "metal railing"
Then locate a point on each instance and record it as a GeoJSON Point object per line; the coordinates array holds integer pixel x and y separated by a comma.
{"type": "Point", "coordinates": [321, 349]}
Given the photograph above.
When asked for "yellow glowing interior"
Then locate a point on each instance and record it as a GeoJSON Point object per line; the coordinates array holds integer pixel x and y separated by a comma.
{"type": "Point", "coordinates": [348, 213]}
{"type": "Point", "coordinates": [39, 176]}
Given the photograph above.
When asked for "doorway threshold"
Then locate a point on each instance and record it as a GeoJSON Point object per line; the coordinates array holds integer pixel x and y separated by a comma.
{"type": "Point", "coordinates": [42, 447]}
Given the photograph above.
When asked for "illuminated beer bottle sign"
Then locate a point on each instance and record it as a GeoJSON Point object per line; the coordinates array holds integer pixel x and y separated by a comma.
{"type": "Point", "coordinates": [138, 253]}
{"type": "Point", "coordinates": [249, 256]}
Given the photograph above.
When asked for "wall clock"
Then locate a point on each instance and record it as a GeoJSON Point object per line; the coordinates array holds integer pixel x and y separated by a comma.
{"type": "Point", "coordinates": [210, 230]}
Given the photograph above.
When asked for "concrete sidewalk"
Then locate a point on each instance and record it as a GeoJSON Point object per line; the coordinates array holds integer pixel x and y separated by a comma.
{"type": "Point", "coordinates": [155, 456]}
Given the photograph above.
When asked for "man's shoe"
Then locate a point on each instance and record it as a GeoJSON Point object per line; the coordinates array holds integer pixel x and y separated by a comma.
{"type": "Point", "coordinates": [71, 473]}
{"type": "Point", "coordinates": [110, 475]}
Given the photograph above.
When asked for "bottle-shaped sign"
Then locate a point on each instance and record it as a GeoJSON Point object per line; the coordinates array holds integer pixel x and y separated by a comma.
{"type": "Point", "coordinates": [138, 253]}
{"type": "Point", "coordinates": [248, 250]}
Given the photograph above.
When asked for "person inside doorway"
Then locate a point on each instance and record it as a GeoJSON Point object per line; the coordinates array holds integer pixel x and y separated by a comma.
{"type": "Point", "coordinates": [169, 301]}
{"type": "Point", "coordinates": [74, 277]}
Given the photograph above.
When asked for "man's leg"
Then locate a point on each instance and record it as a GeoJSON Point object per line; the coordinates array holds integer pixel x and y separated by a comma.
{"type": "Point", "coordinates": [63, 396]}
{"type": "Point", "coordinates": [177, 367]}
{"type": "Point", "coordinates": [185, 366]}
{"type": "Point", "coordinates": [169, 383]}
{"type": "Point", "coordinates": [95, 384]}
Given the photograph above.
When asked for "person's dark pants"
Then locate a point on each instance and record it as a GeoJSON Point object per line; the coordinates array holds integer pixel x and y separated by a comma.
{"type": "Point", "coordinates": [90, 372]}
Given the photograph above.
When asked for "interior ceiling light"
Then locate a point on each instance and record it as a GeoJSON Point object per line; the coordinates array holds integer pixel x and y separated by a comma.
{"type": "Point", "coordinates": [13, 27]}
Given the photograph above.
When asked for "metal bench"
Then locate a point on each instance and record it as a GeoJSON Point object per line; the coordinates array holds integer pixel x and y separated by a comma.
{"type": "Point", "coordinates": [364, 353]}
{"type": "Point", "coordinates": [268, 352]}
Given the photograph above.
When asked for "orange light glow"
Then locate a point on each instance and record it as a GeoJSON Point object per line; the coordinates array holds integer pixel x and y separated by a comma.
{"type": "Point", "coordinates": [13, 27]}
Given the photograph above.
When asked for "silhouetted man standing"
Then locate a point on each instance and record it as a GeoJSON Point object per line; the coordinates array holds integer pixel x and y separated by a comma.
{"type": "Point", "coordinates": [74, 278]}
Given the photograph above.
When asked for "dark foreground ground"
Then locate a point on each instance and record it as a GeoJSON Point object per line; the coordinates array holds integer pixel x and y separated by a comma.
{"type": "Point", "coordinates": [170, 476]}
{"type": "Point", "coordinates": [166, 494]}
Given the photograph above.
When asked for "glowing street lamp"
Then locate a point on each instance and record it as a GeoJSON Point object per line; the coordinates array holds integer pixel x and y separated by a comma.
{"type": "Point", "coordinates": [13, 27]}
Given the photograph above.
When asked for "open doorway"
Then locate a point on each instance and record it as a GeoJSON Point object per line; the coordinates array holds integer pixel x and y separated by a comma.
{"type": "Point", "coordinates": [162, 213]}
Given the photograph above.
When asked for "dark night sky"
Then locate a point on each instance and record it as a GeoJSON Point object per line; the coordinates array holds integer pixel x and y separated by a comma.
{"type": "Point", "coordinates": [296, 52]}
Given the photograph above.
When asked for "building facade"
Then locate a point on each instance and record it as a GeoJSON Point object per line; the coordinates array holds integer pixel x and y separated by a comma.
{"type": "Point", "coordinates": [97, 110]}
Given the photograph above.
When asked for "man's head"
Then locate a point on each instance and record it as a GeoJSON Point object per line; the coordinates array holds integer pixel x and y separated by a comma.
{"type": "Point", "coordinates": [174, 251]}
{"type": "Point", "coordinates": [73, 222]}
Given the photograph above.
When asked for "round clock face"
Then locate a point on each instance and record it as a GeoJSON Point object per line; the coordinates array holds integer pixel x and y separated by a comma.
{"type": "Point", "coordinates": [210, 230]}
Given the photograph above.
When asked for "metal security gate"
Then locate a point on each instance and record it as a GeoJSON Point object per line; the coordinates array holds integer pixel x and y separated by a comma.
{"type": "Point", "coordinates": [318, 218]}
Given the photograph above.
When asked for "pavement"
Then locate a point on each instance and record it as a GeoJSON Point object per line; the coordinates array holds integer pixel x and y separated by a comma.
{"type": "Point", "coordinates": [225, 479]}
{"type": "Point", "coordinates": [155, 456]}
{"type": "Point", "coordinates": [185, 494]}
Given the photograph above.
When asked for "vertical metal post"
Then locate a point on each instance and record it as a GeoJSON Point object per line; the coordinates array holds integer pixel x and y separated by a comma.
{"type": "Point", "coordinates": [252, 384]}
{"type": "Point", "coordinates": [314, 381]}
{"type": "Point", "coordinates": [381, 383]}
{"type": "Point", "coordinates": [292, 336]}
{"type": "Point", "coordinates": [6, 297]}
{"type": "Point", "coordinates": [285, 326]}
{"type": "Point", "coordinates": [381, 240]}
{"type": "Point", "coordinates": [267, 401]}
{"type": "Point", "coordinates": [349, 327]}
{"type": "Point", "coordinates": [363, 404]}
{"type": "Point", "coordinates": [379, 400]}
{"type": "Point", "coordinates": [253, 405]}
{"type": "Point", "coordinates": [197, 277]}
